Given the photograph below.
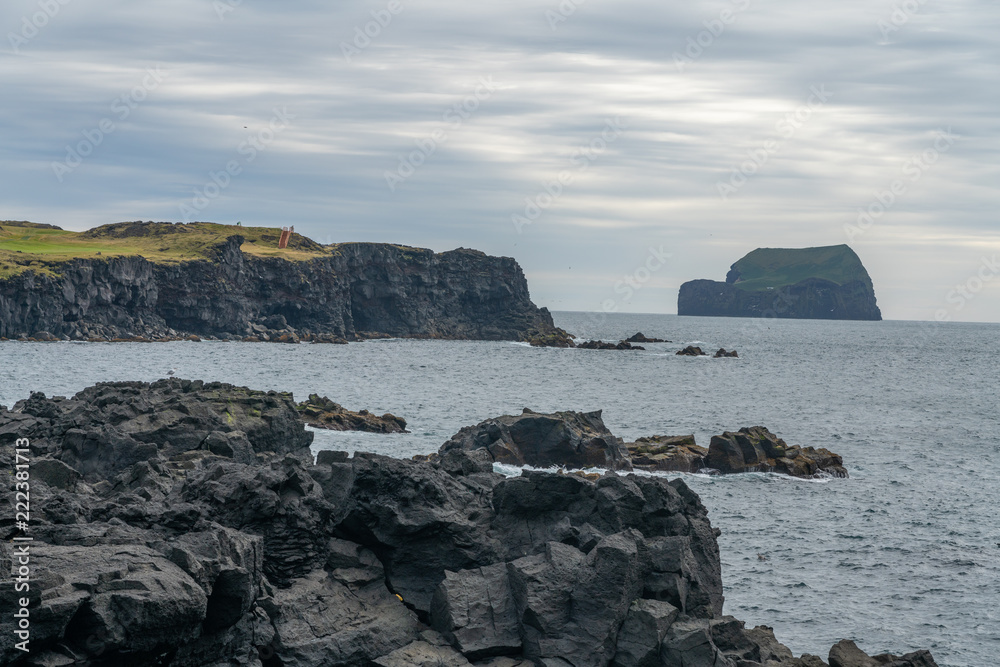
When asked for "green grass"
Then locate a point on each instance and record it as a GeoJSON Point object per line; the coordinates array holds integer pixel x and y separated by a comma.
{"type": "Point", "coordinates": [772, 268]}
{"type": "Point", "coordinates": [26, 246]}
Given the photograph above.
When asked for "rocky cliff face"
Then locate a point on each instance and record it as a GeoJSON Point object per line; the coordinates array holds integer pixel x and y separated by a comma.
{"type": "Point", "coordinates": [360, 287]}
{"type": "Point", "coordinates": [185, 523]}
{"type": "Point", "coordinates": [827, 283]}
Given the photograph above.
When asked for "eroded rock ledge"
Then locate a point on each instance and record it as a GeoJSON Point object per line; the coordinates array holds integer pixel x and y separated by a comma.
{"type": "Point", "coordinates": [185, 524]}
{"type": "Point", "coordinates": [581, 440]}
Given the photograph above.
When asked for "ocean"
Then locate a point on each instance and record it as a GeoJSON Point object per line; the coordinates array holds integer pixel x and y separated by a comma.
{"type": "Point", "coordinates": [904, 554]}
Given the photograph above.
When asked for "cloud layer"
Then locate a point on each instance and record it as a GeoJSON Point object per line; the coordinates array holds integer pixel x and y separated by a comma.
{"type": "Point", "coordinates": [741, 125]}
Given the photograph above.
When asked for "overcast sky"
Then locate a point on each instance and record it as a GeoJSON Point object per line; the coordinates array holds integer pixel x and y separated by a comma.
{"type": "Point", "coordinates": [701, 130]}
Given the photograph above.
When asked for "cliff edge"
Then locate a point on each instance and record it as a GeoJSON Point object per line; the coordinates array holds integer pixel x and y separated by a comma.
{"type": "Point", "coordinates": [156, 280]}
{"type": "Point", "coordinates": [827, 283]}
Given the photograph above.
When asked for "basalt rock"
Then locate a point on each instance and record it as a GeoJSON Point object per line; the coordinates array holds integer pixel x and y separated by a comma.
{"type": "Point", "coordinates": [554, 337]}
{"type": "Point", "coordinates": [722, 352]}
{"type": "Point", "coordinates": [354, 288]}
{"type": "Point", "coordinates": [192, 556]}
{"type": "Point", "coordinates": [756, 449]}
{"type": "Point", "coordinates": [691, 351]}
{"type": "Point", "coordinates": [603, 345]}
{"type": "Point", "coordinates": [570, 439]}
{"type": "Point", "coordinates": [639, 338]}
{"type": "Point", "coordinates": [321, 412]}
{"type": "Point", "coordinates": [667, 453]}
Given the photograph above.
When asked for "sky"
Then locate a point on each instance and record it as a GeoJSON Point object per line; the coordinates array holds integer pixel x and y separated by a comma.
{"type": "Point", "coordinates": [615, 149]}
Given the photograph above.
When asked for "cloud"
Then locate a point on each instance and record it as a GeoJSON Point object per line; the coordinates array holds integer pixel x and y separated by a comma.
{"type": "Point", "coordinates": [691, 123]}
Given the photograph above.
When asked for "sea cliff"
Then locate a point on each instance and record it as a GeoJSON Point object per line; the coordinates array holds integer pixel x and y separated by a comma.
{"type": "Point", "coordinates": [234, 286]}
{"type": "Point", "coordinates": [828, 283]}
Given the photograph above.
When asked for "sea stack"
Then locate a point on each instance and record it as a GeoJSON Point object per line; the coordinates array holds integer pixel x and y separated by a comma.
{"type": "Point", "coordinates": [826, 283]}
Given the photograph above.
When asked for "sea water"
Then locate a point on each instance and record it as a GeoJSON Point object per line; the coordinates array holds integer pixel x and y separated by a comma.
{"type": "Point", "coordinates": [904, 554]}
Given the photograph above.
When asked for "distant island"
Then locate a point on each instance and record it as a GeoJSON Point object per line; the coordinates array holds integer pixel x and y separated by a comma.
{"type": "Point", "coordinates": [826, 283]}
{"type": "Point", "coordinates": [161, 281]}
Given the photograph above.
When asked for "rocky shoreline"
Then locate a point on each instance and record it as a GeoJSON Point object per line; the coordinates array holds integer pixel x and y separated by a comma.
{"type": "Point", "coordinates": [186, 523]}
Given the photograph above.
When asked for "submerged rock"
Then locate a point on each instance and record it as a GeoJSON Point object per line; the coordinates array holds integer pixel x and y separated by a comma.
{"type": "Point", "coordinates": [321, 412]}
{"type": "Point", "coordinates": [193, 554]}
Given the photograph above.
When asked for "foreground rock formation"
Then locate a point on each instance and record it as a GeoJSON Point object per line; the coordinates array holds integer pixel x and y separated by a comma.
{"type": "Point", "coordinates": [828, 283]}
{"type": "Point", "coordinates": [185, 524]}
{"type": "Point", "coordinates": [345, 291]}
{"type": "Point", "coordinates": [321, 412]}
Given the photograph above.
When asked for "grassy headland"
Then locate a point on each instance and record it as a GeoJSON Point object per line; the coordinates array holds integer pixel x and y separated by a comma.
{"type": "Point", "coordinates": [771, 268]}
{"type": "Point", "coordinates": [26, 246]}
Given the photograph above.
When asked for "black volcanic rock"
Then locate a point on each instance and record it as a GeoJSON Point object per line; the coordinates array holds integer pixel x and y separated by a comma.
{"type": "Point", "coordinates": [375, 288]}
{"type": "Point", "coordinates": [321, 412]}
{"type": "Point", "coordinates": [640, 338]}
{"type": "Point", "coordinates": [814, 283]}
{"type": "Point", "coordinates": [603, 345]}
{"type": "Point", "coordinates": [193, 558]}
{"type": "Point", "coordinates": [574, 439]}
{"type": "Point", "coordinates": [756, 449]}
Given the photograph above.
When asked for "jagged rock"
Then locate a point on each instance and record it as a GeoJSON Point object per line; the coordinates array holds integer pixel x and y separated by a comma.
{"type": "Point", "coordinates": [645, 627]}
{"type": "Point", "coordinates": [722, 352]}
{"type": "Point", "coordinates": [691, 351]}
{"type": "Point", "coordinates": [475, 610]}
{"type": "Point", "coordinates": [756, 449]}
{"type": "Point", "coordinates": [573, 439]}
{"type": "Point", "coordinates": [111, 426]}
{"type": "Point", "coordinates": [549, 337]}
{"type": "Point", "coordinates": [195, 557]}
{"type": "Point", "coordinates": [639, 338]}
{"type": "Point", "coordinates": [321, 412]}
{"type": "Point", "coordinates": [423, 654]}
{"type": "Point", "coordinates": [846, 653]}
{"type": "Point", "coordinates": [667, 453]}
{"type": "Point", "coordinates": [56, 474]}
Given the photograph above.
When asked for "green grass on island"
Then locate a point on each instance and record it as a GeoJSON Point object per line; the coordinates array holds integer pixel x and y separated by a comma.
{"type": "Point", "coordinates": [26, 246]}
{"type": "Point", "coordinates": [771, 268]}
